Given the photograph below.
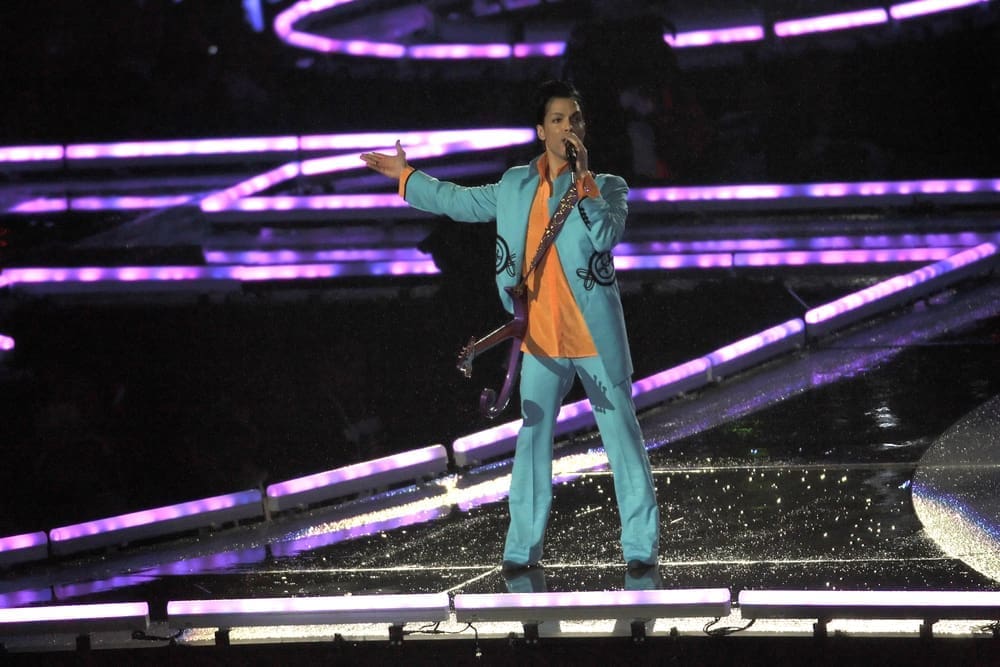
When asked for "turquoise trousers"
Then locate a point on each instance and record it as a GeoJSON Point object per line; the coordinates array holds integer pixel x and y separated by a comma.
{"type": "Point", "coordinates": [545, 382]}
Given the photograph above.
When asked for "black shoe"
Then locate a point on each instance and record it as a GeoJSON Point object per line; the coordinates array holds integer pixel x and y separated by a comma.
{"type": "Point", "coordinates": [509, 567]}
{"type": "Point", "coordinates": [636, 566]}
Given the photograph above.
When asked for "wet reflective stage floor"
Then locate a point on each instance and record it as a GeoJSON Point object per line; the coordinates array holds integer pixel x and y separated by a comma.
{"type": "Point", "coordinates": [866, 461]}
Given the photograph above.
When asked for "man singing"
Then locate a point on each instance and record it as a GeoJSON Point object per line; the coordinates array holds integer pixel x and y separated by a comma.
{"type": "Point", "coordinates": [575, 324]}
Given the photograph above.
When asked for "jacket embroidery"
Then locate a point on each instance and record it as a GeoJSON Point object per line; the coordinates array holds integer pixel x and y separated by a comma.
{"type": "Point", "coordinates": [600, 271]}
{"type": "Point", "coordinates": [504, 258]}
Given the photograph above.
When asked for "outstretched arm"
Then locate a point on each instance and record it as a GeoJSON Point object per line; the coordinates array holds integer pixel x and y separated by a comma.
{"type": "Point", "coordinates": [464, 204]}
{"type": "Point", "coordinates": [391, 166]}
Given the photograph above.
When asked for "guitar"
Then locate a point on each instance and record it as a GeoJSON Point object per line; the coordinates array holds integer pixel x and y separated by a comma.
{"type": "Point", "coordinates": [491, 404]}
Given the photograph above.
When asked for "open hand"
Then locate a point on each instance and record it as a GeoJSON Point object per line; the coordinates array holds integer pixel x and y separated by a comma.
{"type": "Point", "coordinates": [387, 165]}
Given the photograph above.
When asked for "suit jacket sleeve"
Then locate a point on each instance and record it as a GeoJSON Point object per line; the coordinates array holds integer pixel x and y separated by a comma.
{"type": "Point", "coordinates": [464, 204]}
{"type": "Point", "coordinates": [605, 215]}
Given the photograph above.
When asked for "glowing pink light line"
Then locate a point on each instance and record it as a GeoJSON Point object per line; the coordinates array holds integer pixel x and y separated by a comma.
{"type": "Point", "coordinates": [830, 22]}
{"type": "Point", "coordinates": [25, 541]}
{"type": "Point", "coordinates": [898, 284]}
{"type": "Point", "coordinates": [147, 517]}
{"type": "Point", "coordinates": [838, 257]}
{"type": "Point", "coordinates": [582, 600]}
{"type": "Point", "coordinates": [909, 10]}
{"type": "Point", "coordinates": [40, 205]}
{"type": "Point", "coordinates": [291, 607]}
{"type": "Point", "coordinates": [182, 148]}
{"type": "Point", "coordinates": [756, 342]}
{"type": "Point", "coordinates": [16, 154]}
{"type": "Point", "coordinates": [358, 471]}
{"type": "Point", "coordinates": [696, 38]}
{"type": "Point", "coordinates": [107, 611]}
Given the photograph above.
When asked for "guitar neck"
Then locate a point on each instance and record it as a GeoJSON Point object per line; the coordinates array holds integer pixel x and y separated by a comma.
{"type": "Point", "coordinates": [515, 328]}
{"type": "Point", "coordinates": [497, 336]}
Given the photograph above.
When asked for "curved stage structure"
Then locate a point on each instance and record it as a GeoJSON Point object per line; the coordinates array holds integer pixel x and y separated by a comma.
{"type": "Point", "coordinates": [955, 490]}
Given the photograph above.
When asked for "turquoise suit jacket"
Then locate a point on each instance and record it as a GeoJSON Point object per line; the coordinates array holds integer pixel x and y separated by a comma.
{"type": "Point", "coordinates": [584, 244]}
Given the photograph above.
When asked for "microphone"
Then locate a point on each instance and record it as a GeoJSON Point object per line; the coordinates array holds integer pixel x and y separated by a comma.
{"type": "Point", "coordinates": [571, 156]}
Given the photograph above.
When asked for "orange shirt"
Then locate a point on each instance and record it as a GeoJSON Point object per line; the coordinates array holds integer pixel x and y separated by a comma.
{"type": "Point", "coordinates": [556, 327]}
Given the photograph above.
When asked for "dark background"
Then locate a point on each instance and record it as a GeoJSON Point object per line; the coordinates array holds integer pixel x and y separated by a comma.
{"type": "Point", "coordinates": [918, 99]}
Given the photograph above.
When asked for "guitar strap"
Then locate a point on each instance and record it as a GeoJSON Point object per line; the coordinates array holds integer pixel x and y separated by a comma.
{"type": "Point", "coordinates": [566, 205]}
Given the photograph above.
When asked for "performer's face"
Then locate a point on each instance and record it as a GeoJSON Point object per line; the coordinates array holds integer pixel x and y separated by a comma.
{"type": "Point", "coordinates": [562, 116]}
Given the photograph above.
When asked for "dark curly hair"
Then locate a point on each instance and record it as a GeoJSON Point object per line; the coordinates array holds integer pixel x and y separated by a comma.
{"type": "Point", "coordinates": [551, 89]}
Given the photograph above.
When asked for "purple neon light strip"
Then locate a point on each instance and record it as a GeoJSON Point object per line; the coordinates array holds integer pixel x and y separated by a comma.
{"type": "Point", "coordinates": [749, 192]}
{"type": "Point", "coordinates": [40, 205]}
{"type": "Point", "coordinates": [660, 262]}
{"type": "Point", "coordinates": [697, 38]}
{"type": "Point", "coordinates": [182, 148]}
{"type": "Point", "coordinates": [259, 183]}
{"type": "Point", "coordinates": [344, 604]}
{"type": "Point", "coordinates": [356, 471]}
{"type": "Point", "coordinates": [157, 515]}
{"type": "Point", "coordinates": [109, 611]}
{"type": "Point", "coordinates": [756, 342]}
{"type": "Point", "coordinates": [133, 150]}
{"type": "Point", "coordinates": [228, 199]}
{"type": "Point", "coordinates": [131, 203]}
{"type": "Point", "coordinates": [838, 257]}
{"type": "Point", "coordinates": [6, 344]}
{"type": "Point", "coordinates": [628, 260]}
{"type": "Point", "coordinates": [583, 599]}
{"type": "Point", "coordinates": [485, 139]}
{"type": "Point", "coordinates": [410, 265]}
{"type": "Point", "coordinates": [25, 541]}
{"type": "Point", "coordinates": [820, 598]}
{"type": "Point", "coordinates": [909, 10]}
{"type": "Point", "coordinates": [317, 203]}
{"type": "Point", "coordinates": [17, 154]}
{"type": "Point", "coordinates": [831, 22]}
{"type": "Point", "coordinates": [815, 190]}
{"type": "Point", "coordinates": [679, 373]}
{"type": "Point", "coordinates": [97, 275]}
{"type": "Point", "coordinates": [294, 257]}
{"type": "Point", "coordinates": [898, 284]}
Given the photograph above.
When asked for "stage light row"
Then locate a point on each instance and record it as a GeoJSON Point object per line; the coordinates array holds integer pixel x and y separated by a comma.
{"type": "Point", "coordinates": [500, 440]}
{"type": "Point", "coordinates": [240, 149]}
{"type": "Point", "coordinates": [233, 205]}
{"type": "Point", "coordinates": [228, 278]}
{"type": "Point", "coordinates": [635, 606]}
{"type": "Point", "coordinates": [229, 508]}
{"type": "Point", "coordinates": [285, 27]}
